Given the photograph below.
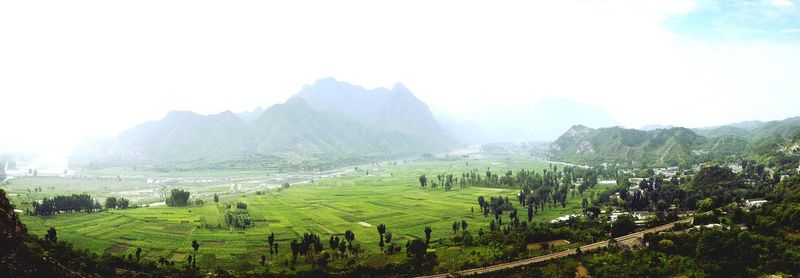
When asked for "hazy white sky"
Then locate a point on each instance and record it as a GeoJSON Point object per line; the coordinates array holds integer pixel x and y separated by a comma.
{"type": "Point", "coordinates": [72, 69]}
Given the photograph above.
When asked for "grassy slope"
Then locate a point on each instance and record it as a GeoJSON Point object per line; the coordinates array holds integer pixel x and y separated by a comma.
{"type": "Point", "coordinates": [390, 195]}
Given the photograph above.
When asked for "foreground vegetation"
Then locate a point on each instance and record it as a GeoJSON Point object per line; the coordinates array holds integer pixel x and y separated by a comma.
{"type": "Point", "coordinates": [757, 242]}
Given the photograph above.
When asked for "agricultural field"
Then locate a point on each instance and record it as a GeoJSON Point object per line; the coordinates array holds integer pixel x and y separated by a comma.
{"type": "Point", "coordinates": [384, 193]}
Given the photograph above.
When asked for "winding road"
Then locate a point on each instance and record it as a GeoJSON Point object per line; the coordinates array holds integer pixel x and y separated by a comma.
{"type": "Point", "coordinates": [620, 240]}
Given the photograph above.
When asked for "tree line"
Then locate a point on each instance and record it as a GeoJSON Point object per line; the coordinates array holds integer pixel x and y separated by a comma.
{"type": "Point", "coordinates": [65, 203]}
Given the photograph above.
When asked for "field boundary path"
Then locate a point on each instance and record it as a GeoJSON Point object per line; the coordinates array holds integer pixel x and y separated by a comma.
{"type": "Point", "coordinates": [593, 246]}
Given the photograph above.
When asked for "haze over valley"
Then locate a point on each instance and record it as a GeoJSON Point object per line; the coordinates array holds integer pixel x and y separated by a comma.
{"type": "Point", "coordinates": [400, 139]}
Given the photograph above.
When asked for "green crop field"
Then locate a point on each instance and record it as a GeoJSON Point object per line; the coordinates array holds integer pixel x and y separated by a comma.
{"type": "Point", "coordinates": [389, 194]}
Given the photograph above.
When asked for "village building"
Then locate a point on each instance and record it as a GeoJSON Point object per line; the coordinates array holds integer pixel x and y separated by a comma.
{"type": "Point", "coordinates": [757, 202]}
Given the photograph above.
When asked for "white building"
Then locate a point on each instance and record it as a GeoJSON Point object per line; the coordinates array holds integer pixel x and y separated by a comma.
{"type": "Point", "coordinates": [754, 202]}
{"type": "Point", "coordinates": [564, 218]}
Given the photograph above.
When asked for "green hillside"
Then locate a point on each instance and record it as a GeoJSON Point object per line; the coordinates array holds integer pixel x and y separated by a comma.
{"type": "Point", "coordinates": [770, 142]}
{"type": "Point", "coordinates": [627, 146]}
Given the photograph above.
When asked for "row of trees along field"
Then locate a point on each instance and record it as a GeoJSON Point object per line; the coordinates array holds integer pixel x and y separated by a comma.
{"type": "Point", "coordinates": [85, 203]}
{"type": "Point", "coordinates": [75, 203]}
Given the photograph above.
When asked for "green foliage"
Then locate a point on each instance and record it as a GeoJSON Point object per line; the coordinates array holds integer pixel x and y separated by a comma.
{"type": "Point", "coordinates": [59, 203]}
{"type": "Point", "coordinates": [178, 198]}
{"type": "Point", "coordinates": [625, 224]}
{"type": "Point", "coordinates": [118, 203]}
{"type": "Point", "coordinates": [240, 205]}
{"type": "Point", "coordinates": [416, 249]}
{"type": "Point", "coordinates": [238, 218]}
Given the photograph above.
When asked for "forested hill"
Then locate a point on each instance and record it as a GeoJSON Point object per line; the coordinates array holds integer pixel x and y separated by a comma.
{"type": "Point", "coordinates": [775, 141]}
{"type": "Point", "coordinates": [768, 142]}
{"type": "Point", "coordinates": [754, 130]}
{"type": "Point", "coordinates": [328, 120]}
{"type": "Point", "coordinates": [619, 145]}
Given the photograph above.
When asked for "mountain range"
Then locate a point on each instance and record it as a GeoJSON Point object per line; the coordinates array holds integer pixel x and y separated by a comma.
{"type": "Point", "coordinates": [325, 120]}
{"type": "Point", "coordinates": [331, 120]}
{"type": "Point", "coordinates": [764, 141]}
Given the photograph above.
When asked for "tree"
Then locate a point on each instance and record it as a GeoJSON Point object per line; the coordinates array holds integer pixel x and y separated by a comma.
{"type": "Point", "coordinates": [323, 260]}
{"type": "Point", "coordinates": [195, 246]}
{"type": "Point", "coordinates": [423, 181]}
{"type": "Point", "coordinates": [216, 198]}
{"type": "Point", "coordinates": [388, 237]}
{"type": "Point", "coordinates": [464, 225]}
{"type": "Point", "coordinates": [295, 250]}
{"type": "Point", "coordinates": [333, 242]}
{"type": "Point", "coordinates": [350, 237]}
{"type": "Point", "coordinates": [666, 244]}
{"type": "Point", "coordinates": [264, 259]}
{"type": "Point", "coordinates": [455, 227]}
{"type": "Point", "coordinates": [52, 235]}
{"type": "Point", "coordinates": [271, 241]}
{"type": "Point", "coordinates": [530, 213]}
{"type": "Point", "coordinates": [178, 198]}
{"type": "Point", "coordinates": [427, 235]}
{"type": "Point", "coordinates": [342, 248]}
{"type": "Point", "coordinates": [417, 249]}
{"type": "Point", "coordinates": [705, 204]}
{"type": "Point", "coordinates": [111, 202]}
{"type": "Point", "coordinates": [381, 231]}
{"type": "Point", "coordinates": [138, 253]}
{"type": "Point", "coordinates": [625, 224]}
{"type": "Point", "coordinates": [123, 203]}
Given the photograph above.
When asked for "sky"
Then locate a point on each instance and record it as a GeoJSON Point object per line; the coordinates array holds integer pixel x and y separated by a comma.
{"type": "Point", "coordinates": [76, 69]}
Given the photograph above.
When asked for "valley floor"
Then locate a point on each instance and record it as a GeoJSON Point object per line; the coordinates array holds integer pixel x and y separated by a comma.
{"type": "Point", "coordinates": [385, 193]}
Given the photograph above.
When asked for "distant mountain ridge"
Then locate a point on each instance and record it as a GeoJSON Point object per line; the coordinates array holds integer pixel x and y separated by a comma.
{"type": "Point", "coordinates": [754, 130]}
{"type": "Point", "coordinates": [326, 120]}
{"type": "Point", "coordinates": [674, 146]}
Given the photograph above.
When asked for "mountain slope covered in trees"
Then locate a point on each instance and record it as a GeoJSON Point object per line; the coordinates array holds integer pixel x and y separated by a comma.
{"type": "Point", "coordinates": [672, 146]}
{"type": "Point", "coordinates": [770, 142]}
